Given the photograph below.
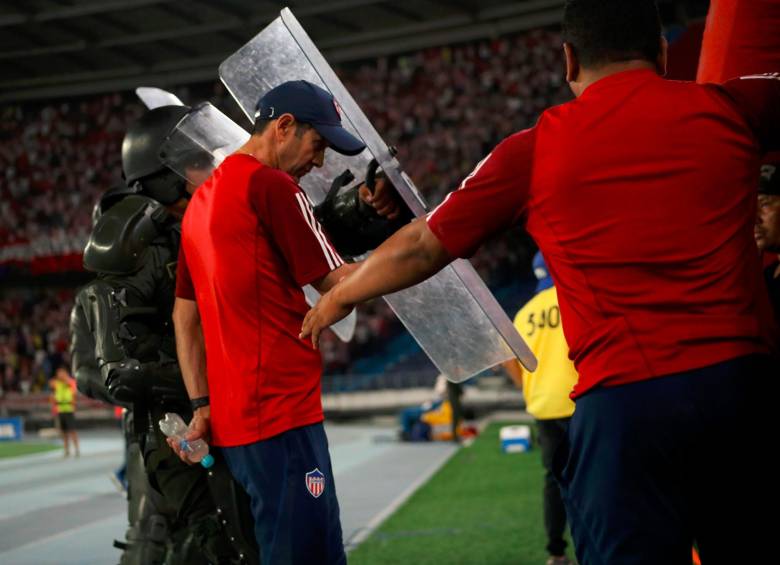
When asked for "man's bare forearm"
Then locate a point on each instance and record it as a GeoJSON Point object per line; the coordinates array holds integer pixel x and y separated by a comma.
{"type": "Point", "coordinates": [330, 280]}
{"type": "Point", "coordinates": [410, 256]}
{"type": "Point", "coordinates": [190, 347]}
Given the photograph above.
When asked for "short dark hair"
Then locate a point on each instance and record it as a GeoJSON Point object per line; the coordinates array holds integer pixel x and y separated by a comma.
{"type": "Point", "coordinates": [260, 125]}
{"type": "Point", "coordinates": [608, 31]}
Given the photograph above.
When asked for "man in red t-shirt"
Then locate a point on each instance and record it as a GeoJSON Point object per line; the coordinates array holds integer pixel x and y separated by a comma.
{"type": "Point", "coordinates": [250, 241]}
{"type": "Point", "coordinates": [641, 195]}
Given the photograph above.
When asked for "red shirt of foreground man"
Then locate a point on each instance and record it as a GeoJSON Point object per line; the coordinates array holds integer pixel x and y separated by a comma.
{"type": "Point", "coordinates": [269, 246]}
{"type": "Point", "coordinates": [627, 295]}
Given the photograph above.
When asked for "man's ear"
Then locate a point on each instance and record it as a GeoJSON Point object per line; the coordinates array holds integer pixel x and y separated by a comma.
{"type": "Point", "coordinates": [284, 125]}
{"type": "Point", "coordinates": [663, 57]}
{"type": "Point", "coordinates": [572, 63]}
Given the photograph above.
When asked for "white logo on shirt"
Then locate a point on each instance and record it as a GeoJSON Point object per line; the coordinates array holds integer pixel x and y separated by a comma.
{"type": "Point", "coordinates": [775, 76]}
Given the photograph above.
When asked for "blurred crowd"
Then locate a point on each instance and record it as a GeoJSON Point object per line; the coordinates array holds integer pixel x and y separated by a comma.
{"type": "Point", "coordinates": [33, 337]}
{"type": "Point", "coordinates": [443, 108]}
{"type": "Point", "coordinates": [446, 108]}
{"type": "Point", "coordinates": [56, 160]}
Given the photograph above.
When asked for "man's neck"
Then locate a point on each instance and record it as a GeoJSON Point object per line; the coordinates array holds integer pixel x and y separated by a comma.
{"type": "Point", "coordinates": [260, 149]}
{"type": "Point", "coordinates": [588, 76]}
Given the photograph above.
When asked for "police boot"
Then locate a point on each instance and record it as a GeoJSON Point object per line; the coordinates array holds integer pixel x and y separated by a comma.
{"type": "Point", "coordinates": [146, 542]}
{"type": "Point", "coordinates": [214, 542]}
{"type": "Point", "coordinates": [202, 542]}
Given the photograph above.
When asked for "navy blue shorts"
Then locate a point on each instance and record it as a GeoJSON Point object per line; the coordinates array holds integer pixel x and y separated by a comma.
{"type": "Point", "coordinates": [289, 480]}
{"type": "Point", "coordinates": [654, 466]}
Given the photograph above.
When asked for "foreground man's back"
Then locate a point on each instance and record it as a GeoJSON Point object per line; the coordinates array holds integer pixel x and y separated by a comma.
{"type": "Point", "coordinates": [641, 192]}
{"type": "Point", "coordinates": [643, 195]}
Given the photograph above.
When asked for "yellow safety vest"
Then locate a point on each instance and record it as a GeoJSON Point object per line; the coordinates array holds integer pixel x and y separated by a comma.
{"type": "Point", "coordinates": [63, 396]}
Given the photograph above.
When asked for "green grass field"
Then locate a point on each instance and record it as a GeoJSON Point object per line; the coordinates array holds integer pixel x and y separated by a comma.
{"type": "Point", "coordinates": [482, 507]}
{"type": "Point", "coordinates": [16, 448]}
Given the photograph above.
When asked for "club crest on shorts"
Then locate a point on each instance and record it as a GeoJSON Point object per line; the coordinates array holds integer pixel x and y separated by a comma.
{"type": "Point", "coordinates": [315, 483]}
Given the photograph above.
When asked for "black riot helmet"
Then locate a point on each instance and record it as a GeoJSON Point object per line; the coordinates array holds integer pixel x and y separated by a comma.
{"type": "Point", "coordinates": [141, 164]}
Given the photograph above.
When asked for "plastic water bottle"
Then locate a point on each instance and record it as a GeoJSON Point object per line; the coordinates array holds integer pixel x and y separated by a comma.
{"type": "Point", "coordinates": [197, 450]}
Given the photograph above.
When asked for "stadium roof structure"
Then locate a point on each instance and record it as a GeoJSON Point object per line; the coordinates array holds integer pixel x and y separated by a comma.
{"type": "Point", "coordinates": [53, 48]}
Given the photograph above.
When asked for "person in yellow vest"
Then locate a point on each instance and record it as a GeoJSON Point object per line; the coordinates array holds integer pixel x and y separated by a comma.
{"type": "Point", "coordinates": [64, 399]}
{"type": "Point", "coordinates": [546, 393]}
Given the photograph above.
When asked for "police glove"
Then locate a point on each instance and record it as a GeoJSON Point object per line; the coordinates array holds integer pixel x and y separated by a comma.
{"type": "Point", "coordinates": [125, 382]}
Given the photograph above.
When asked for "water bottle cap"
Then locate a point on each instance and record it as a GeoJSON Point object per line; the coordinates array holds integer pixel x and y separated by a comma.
{"type": "Point", "coordinates": [207, 461]}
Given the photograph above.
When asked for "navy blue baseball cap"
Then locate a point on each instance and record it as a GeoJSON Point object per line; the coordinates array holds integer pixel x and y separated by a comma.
{"type": "Point", "coordinates": [312, 105]}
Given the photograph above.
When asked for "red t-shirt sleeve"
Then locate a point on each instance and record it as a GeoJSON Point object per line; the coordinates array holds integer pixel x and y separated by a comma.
{"type": "Point", "coordinates": [489, 200]}
{"type": "Point", "coordinates": [184, 287]}
{"type": "Point", "coordinates": [757, 98]}
{"type": "Point", "coordinates": [287, 214]}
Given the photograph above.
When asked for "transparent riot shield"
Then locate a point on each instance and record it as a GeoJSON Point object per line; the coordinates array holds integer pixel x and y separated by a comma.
{"type": "Point", "coordinates": [453, 316]}
{"type": "Point", "coordinates": [198, 144]}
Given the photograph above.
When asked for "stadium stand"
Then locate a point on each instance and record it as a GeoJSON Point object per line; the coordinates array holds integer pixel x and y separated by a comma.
{"type": "Point", "coordinates": [58, 157]}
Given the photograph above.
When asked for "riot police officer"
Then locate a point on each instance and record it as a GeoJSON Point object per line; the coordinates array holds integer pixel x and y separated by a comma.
{"type": "Point", "coordinates": [146, 537]}
{"type": "Point", "coordinates": [124, 353]}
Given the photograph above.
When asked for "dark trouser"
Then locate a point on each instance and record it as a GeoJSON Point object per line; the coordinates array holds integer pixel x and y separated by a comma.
{"type": "Point", "coordinates": [552, 434]}
{"type": "Point", "coordinates": [290, 482]}
{"type": "Point", "coordinates": [67, 421]}
{"type": "Point", "coordinates": [454, 392]}
{"type": "Point", "coordinates": [656, 465]}
{"type": "Point", "coordinates": [147, 516]}
{"type": "Point", "coordinates": [195, 531]}
{"type": "Point", "coordinates": [184, 487]}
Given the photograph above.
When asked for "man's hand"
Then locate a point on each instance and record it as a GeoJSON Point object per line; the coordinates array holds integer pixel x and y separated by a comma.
{"type": "Point", "coordinates": [199, 428]}
{"type": "Point", "coordinates": [327, 311]}
{"type": "Point", "coordinates": [384, 200]}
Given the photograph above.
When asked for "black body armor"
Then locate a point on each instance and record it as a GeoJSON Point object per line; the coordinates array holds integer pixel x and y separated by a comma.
{"type": "Point", "coordinates": [124, 352]}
